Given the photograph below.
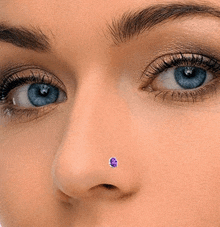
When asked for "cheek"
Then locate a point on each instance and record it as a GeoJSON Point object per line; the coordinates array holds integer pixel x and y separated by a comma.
{"type": "Point", "coordinates": [182, 151]}
{"type": "Point", "coordinates": [175, 142]}
{"type": "Point", "coordinates": [25, 166]}
{"type": "Point", "coordinates": [181, 156]}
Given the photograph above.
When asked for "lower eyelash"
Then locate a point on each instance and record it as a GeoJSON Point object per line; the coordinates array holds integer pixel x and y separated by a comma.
{"type": "Point", "coordinates": [9, 112]}
{"type": "Point", "coordinates": [197, 95]}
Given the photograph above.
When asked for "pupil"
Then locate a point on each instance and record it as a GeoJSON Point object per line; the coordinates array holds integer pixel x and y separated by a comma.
{"type": "Point", "coordinates": [189, 72]}
{"type": "Point", "coordinates": [44, 90]}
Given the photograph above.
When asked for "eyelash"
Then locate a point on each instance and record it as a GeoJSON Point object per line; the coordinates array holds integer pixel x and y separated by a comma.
{"type": "Point", "coordinates": [169, 61]}
{"type": "Point", "coordinates": [15, 80]}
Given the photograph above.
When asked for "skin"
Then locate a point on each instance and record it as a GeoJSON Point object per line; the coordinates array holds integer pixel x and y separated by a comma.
{"type": "Point", "coordinates": [52, 169]}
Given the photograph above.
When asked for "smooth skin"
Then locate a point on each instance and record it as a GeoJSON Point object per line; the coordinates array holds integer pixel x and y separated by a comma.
{"type": "Point", "coordinates": [54, 170]}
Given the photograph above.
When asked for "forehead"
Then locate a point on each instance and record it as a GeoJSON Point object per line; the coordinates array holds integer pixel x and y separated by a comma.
{"type": "Point", "coordinates": [73, 26]}
{"type": "Point", "coordinates": [56, 13]}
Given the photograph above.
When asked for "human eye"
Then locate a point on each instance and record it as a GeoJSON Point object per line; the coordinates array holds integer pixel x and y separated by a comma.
{"type": "Point", "coordinates": [29, 93]}
{"type": "Point", "coordinates": [183, 77]}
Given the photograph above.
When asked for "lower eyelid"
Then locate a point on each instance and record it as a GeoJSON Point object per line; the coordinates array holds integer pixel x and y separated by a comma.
{"type": "Point", "coordinates": [12, 114]}
{"type": "Point", "coordinates": [193, 96]}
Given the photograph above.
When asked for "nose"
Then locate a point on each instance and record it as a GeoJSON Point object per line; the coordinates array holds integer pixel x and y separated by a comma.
{"type": "Point", "coordinates": [99, 127]}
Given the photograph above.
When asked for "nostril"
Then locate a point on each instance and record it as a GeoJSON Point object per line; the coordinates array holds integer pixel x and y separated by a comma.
{"type": "Point", "coordinates": [109, 186]}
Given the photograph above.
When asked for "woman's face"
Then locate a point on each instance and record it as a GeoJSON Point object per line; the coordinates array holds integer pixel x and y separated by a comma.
{"type": "Point", "coordinates": [84, 81]}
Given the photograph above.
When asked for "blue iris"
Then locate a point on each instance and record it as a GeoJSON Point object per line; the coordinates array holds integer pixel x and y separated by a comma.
{"type": "Point", "coordinates": [42, 94]}
{"type": "Point", "coordinates": [190, 77]}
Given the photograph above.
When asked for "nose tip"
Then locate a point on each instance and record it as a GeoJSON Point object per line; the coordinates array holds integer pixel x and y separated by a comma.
{"type": "Point", "coordinates": [89, 182]}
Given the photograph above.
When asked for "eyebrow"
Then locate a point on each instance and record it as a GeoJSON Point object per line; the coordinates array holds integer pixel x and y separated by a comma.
{"type": "Point", "coordinates": [133, 23]}
{"type": "Point", "coordinates": [29, 38]}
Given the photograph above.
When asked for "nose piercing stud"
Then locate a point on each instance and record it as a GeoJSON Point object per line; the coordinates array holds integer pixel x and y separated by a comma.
{"type": "Point", "coordinates": [113, 162]}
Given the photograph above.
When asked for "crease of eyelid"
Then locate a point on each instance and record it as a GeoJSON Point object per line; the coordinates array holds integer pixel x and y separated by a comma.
{"type": "Point", "coordinates": [184, 48]}
{"type": "Point", "coordinates": [10, 71]}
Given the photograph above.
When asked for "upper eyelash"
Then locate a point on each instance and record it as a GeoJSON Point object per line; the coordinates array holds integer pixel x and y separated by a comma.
{"type": "Point", "coordinates": [178, 59]}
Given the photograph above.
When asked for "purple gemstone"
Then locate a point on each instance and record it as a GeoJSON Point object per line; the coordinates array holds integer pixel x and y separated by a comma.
{"type": "Point", "coordinates": [113, 162]}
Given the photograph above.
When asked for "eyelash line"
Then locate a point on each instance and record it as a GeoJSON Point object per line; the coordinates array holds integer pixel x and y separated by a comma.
{"type": "Point", "coordinates": [174, 60]}
{"type": "Point", "coordinates": [180, 59]}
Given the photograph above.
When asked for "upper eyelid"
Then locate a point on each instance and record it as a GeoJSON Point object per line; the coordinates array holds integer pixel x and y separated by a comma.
{"type": "Point", "coordinates": [182, 53]}
{"type": "Point", "coordinates": [162, 57]}
{"type": "Point", "coordinates": [10, 71]}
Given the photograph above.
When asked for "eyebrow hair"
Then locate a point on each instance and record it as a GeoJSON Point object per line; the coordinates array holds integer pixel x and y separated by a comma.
{"type": "Point", "coordinates": [33, 38]}
{"type": "Point", "coordinates": [133, 23]}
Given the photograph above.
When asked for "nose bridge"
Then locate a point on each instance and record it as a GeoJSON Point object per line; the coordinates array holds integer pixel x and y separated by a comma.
{"type": "Point", "coordinates": [99, 116]}
{"type": "Point", "coordinates": [99, 128]}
